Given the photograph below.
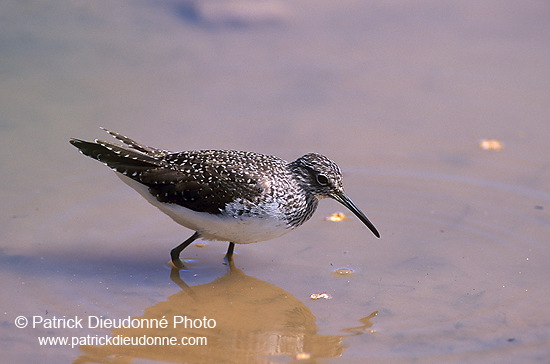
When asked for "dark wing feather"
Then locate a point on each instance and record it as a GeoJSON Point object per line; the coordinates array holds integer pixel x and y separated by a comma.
{"type": "Point", "coordinates": [153, 152]}
{"type": "Point", "coordinates": [200, 184]}
{"type": "Point", "coordinates": [203, 181]}
{"type": "Point", "coordinates": [121, 159]}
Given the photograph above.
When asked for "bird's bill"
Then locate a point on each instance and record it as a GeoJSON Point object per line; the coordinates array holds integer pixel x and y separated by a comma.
{"type": "Point", "coordinates": [346, 201]}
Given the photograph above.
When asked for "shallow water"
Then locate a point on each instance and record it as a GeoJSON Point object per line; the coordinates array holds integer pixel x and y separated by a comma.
{"type": "Point", "coordinates": [399, 95]}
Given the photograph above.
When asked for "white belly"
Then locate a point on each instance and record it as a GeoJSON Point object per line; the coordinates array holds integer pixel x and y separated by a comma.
{"type": "Point", "coordinates": [237, 229]}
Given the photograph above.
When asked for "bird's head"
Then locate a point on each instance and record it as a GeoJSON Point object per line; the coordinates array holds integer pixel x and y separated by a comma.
{"type": "Point", "coordinates": [323, 178]}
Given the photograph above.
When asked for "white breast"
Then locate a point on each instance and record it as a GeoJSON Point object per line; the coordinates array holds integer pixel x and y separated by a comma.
{"type": "Point", "coordinates": [266, 223]}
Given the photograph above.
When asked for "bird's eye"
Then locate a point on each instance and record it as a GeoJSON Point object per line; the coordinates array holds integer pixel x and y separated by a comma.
{"type": "Point", "coordinates": [322, 179]}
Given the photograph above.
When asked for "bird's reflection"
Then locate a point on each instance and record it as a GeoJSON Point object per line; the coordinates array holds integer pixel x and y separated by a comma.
{"type": "Point", "coordinates": [254, 321]}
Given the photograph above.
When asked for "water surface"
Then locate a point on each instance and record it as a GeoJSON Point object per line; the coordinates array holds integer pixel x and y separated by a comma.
{"type": "Point", "coordinates": [399, 95]}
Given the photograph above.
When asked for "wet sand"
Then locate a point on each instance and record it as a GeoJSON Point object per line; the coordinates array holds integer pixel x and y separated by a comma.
{"type": "Point", "coordinates": [399, 95]}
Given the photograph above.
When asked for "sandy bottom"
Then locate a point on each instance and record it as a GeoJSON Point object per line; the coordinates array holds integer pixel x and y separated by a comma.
{"type": "Point", "coordinates": [400, 96]}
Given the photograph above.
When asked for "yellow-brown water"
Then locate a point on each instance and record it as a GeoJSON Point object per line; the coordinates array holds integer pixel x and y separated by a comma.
{"type": "Point", "coordinates": [400, 95]}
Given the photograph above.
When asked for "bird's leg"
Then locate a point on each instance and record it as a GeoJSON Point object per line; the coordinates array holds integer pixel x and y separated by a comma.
{"type": "Point", "coordinates": [229, 255]}
{"type": "Point", "coordinates": [175, 253]}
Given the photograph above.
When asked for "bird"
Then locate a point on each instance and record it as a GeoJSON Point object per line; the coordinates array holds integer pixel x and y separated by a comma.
{"type": "Point", "coordinates": [226, 195]}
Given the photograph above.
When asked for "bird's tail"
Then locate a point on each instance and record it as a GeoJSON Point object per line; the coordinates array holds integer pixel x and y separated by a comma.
{"type": "Point", "coordinates": [120, 158]}
{"type": "Point", "coordinates": [153, 152]}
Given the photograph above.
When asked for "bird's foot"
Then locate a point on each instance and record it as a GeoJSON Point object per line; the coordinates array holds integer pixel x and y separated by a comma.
{"type": "Point", "coordinates": [229, 255]}
{"type": "Point", "coordinates": [177, 264]}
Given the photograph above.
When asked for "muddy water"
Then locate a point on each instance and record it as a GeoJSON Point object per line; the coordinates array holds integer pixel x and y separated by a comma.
{"type": "Point", "coordinates": [399, 95]}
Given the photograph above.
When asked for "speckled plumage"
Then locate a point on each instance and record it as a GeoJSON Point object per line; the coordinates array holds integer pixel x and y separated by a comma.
{"type": "Point", "coordinates": [236, 196]}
